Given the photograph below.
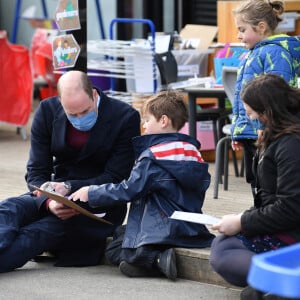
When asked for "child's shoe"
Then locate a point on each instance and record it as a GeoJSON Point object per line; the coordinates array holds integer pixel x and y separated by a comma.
{"type": "Point", "coordinates": [131, 270]}
{"type": "Point", "coordinates": [166, 263]}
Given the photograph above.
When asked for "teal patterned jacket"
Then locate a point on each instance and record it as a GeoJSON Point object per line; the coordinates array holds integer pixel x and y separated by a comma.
{"type": "Point", "coordinates": [278, 54]}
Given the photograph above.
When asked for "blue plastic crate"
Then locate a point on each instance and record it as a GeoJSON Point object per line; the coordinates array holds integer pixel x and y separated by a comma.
{"type": "Point", "coordinates": [277, 272]}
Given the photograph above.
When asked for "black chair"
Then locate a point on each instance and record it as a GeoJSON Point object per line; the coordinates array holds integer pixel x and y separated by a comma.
{"type": "Point", "coordinates": [229, 76]}
{"type": "Point", "coordinates": [168, 69]}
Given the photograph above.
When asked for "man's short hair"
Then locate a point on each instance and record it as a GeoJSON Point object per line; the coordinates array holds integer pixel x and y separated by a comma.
{"type": "Point", "coordinates": [87, 85]}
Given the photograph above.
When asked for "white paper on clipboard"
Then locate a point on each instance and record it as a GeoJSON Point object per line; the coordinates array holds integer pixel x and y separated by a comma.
{"type": "Point", "coordinates": [194, 217]}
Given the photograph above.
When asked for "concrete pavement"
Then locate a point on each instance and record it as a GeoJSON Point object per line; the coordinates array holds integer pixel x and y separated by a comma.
{"type": "Point", "coordinates": [37, 281]}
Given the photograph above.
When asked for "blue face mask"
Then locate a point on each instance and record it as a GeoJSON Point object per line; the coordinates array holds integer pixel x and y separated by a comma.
{"type": "Point", "coordinates": [85, 122]}
{"type": "Point", "coordinates": [258, 124]}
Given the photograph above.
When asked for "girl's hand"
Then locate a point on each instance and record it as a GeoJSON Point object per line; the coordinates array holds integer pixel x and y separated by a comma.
{"type": "Point", "coordinates": [236, 146]}
{"type": "Point", "coordinates": [229, 225]}
{"type": "Point", "coordinates": [81, 195]}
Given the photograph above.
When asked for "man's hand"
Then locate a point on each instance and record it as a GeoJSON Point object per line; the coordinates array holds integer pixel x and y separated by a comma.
{"type": "Point", "coordinates": [60, 188]}
{"type": "Point", "coordinates": [61, 211]}
{"type": "Point", "coordinates": [81, 195]}
{"type": "Point", "coordinates": [51, 186]}
{"type": "Point", "coordinates": [54, 207]}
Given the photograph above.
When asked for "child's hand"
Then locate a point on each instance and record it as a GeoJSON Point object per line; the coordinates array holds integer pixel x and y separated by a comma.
{"type": "Point", "coordinates": [81, 195]}
{"type": "Point", "coordinates": [229, 224]}
{"type": "Point", "coordinates": [236, 146]}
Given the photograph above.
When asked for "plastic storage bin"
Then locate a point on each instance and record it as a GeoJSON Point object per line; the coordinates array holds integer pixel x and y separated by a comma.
{"type": "Point", "coordinates": [277, 272]}
{"type": "Point", "coordinates": [191, 62]}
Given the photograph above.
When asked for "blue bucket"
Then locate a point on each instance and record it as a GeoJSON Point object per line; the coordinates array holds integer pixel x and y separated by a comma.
{"type": "Point", "coordinates": [277, 272]}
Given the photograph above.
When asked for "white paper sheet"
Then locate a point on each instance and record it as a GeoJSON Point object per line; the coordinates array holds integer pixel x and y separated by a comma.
{"type": "Point", "coordinates": [194, 217]}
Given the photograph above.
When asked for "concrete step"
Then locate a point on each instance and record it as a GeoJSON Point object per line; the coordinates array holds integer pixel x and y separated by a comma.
{"type": "Point", "coordinates": [193, 264]}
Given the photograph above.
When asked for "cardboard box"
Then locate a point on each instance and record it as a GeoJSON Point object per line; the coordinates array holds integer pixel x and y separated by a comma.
{"type": "Point", "coordinates": [201, 36]}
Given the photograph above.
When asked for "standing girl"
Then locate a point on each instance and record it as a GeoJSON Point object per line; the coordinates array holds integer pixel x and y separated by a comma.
{"type": "Point", "coordinates": [269, 53]}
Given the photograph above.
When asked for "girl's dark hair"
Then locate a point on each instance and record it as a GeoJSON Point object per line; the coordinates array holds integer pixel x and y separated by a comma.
{"type": "Point", "coordinates": [254, 11]}
{"type": "Point", "coordinates": [170, 103]}
{"type": "Point", "coordinates": [271, 96]}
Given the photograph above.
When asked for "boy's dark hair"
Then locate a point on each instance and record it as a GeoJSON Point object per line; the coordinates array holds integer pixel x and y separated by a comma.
{"type": "Point", "coordinates": [170, 103]}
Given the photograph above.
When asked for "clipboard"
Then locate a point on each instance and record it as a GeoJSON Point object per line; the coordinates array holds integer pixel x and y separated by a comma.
{"type": "Point", "coordinates": [71, 204]}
